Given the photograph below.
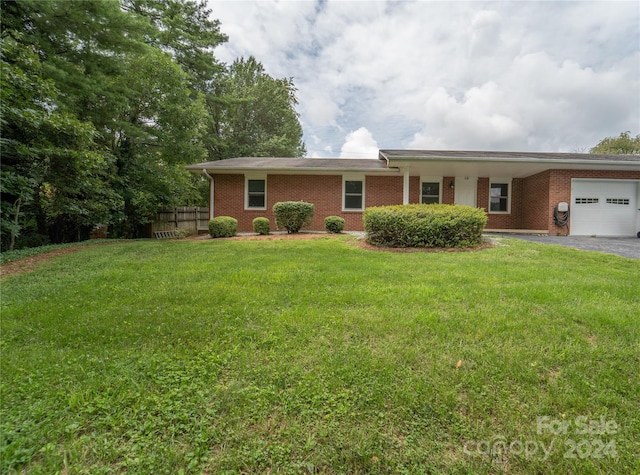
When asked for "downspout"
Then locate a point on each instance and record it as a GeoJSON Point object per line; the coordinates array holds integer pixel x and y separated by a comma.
{"type": "Point", "coordinates": [204, 170]}
{"type": "Point", "coordinates": [380, 154]}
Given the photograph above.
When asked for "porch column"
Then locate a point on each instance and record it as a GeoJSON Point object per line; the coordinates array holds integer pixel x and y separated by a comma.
{"type": "Point", "coordinates": [405, 187]}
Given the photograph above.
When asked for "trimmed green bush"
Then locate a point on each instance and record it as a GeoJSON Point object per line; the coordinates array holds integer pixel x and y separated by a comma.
{"type": "Point", "coordinates": [223, 226]}
{"type": "Point", "coordinates": [334, 224]}
{"type": "Point", "coordinates": [182, 233]}
{"type": "Point", "coordinates": [261, 225]}
{"type": "Point", "coordinates": [425, 225]}
{"type": "Point", "coordinates": [293, 215]}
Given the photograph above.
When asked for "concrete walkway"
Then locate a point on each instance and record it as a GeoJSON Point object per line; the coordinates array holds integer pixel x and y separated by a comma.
{"type": "Point", "coordinates": [624, 247]}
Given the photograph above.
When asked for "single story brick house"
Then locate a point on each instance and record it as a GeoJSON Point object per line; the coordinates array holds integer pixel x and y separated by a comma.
{"type": "Point", "coordinates": [520, 191]}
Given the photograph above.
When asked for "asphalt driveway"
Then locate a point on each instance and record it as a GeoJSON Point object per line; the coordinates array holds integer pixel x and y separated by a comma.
{"type": "Point", "coordinates": [625, 247]}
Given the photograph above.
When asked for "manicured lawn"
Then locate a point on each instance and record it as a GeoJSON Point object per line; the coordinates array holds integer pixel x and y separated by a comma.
{"type": "Point", "coordinates": [320, 357]}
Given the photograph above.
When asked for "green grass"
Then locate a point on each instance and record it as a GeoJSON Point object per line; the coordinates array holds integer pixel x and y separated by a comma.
{"type": "Point", "coordinates": [319, 357]}
{"type": "Point", "coordinates": [10, 256]}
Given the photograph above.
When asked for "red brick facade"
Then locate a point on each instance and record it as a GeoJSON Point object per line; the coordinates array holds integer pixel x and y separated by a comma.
{"type": "Point", "coordinates": [532, 198]}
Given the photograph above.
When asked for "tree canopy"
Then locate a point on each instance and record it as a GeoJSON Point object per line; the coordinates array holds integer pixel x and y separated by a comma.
{"type": "Point", "coordinates": [105, 101]}
{"type": "Point", "coordinates": [622, 144]}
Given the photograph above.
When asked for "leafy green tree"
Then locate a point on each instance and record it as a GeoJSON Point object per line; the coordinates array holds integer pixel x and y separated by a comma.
{"type": "Point", "coordinates": [622, 144]}
{"type": "Point", "coordinates": [184, 29]}
{"type": "Point", "coordinates": [104, 101]}
{"type": "Point", "coordinates": [144, 120]}
{"type": "Point", "coordinates": [51, 170]}
{"type": "Point", "coordinates": [256, 116]}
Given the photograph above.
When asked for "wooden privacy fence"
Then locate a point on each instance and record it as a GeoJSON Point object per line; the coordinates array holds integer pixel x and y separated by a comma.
{"type": "Point", "coordinates": [190, 218]}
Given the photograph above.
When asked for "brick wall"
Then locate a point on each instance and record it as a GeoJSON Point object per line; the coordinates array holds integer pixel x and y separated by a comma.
{"type": "Point", "coordinates": [448, 194]}
{"type": "Point", "coordinates": [535, 201]}
{"type": "Point", "coordinates": [511, 220]}
{"type": "Point", "coordinates": [384, 190]}
{"type": "Point", "coordinates": [532, 199]}
{"type": "Point", "coordinates": [324, 191]}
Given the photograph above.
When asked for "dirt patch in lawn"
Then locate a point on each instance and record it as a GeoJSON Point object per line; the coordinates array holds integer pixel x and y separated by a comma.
{"type": "Point", "coordinates": [27, 264]}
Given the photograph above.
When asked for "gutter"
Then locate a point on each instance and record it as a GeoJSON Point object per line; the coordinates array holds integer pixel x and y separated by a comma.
{"type": "Point", "coordinates": [298, 170]}
{"type": "Point", "coordinates": [568, 161]}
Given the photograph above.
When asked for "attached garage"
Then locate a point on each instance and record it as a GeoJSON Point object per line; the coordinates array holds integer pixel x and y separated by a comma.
{"type": "Point", "coordinates": [604, 207]}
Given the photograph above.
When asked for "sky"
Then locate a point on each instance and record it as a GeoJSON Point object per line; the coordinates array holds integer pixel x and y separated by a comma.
{"type": "Point", "coordinates": [510, 76]}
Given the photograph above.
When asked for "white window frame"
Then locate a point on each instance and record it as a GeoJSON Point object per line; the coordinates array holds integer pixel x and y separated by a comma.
{"type": "Point", "coordinates": [431, 179]}
{"type": "Point", "coordinates": [345, 179]}
{"type": "Point", "coordinates": [246, 192]}
{"type": "Point", "coordinates": [501, 181]}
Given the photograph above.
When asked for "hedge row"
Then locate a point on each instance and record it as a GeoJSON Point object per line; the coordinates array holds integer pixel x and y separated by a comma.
{"type": "Point", "coordinates": [425, 225]}
{"type": "Point", "coordinates": [415, 225]}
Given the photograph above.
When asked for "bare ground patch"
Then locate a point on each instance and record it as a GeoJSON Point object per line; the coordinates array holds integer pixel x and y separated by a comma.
{"type": "Point", "coordinates": [27, 264]}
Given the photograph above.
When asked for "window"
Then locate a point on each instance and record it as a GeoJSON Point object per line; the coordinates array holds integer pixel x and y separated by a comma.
{"type": "Point", "coordinates": [353, 194]}
{"type": "Point", "coordinates": [499, 196]}
{"type": "Point", "coordinates": [256, 197]}
{"type": "Point", "coordinates": [430, 188]}
{"type": "Point", "coordinates": [586, 201]}
{"type": "Point", "coordinates": [618, 201]}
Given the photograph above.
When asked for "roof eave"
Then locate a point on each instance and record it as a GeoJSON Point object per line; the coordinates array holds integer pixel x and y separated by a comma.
{"type": "Point", "coordinates": [199, 169]}
{"type": "Point", "coordinates": [516, 160]}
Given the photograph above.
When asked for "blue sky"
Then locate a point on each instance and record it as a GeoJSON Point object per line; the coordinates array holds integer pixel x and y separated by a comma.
{"type": "Point", "coordinates": [531, 76]}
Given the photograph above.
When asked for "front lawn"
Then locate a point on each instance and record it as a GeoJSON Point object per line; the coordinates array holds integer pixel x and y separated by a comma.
{"type": "Point", "coordinates": [316, 356]}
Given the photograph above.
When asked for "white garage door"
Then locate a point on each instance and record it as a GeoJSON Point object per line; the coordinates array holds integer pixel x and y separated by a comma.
{"type": "Point", "coordinates": [603, 207]}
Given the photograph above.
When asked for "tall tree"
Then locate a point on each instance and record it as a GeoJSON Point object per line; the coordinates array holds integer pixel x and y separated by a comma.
{"type": "Point", "coordinates": [622, 144]}
{"type": "Point", "coordinates": [259, 116]}
{"type": "Point", "coordinates": [52, 171]}
{"type": "Point", "coordinates": [108, 72]}
{"type": "Point", "coordinates": [184, 29]}
{"type": "Point", "coordinates": [104, 101]}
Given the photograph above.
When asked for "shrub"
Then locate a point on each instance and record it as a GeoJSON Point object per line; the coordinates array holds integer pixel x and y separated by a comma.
{"type": "Point", "coordinates": [334, 224]}
{"type": "Point", "coordinates": [182, 233]}
{"type": "Point", "coordinates": [261, 226]}
{"type": "Point", "coordinates": [223, 226]}
{"type": "Point", "coordinates": [293, 215]}
{"type": "Point", "coordinates": [424, 225]}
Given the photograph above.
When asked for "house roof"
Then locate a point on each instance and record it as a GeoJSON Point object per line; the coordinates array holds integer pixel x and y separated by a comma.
{"type": "Point", "coordinates": [392, 154]}
{"type": "Point", "coordinates": [502, 164]}
{"type": "Point", "coordinates": [426, 163]}
{"type": "Point", "coordinates": [294, 165]}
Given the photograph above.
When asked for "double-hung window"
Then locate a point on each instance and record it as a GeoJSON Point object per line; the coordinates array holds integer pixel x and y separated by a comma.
{"type": "Point", "coordinates": [255, 192]}
{"type": "Point", "coordinates": [353, 193]}
{"type": "Point", "coordinates": [500, 195]}
{"type": "Point", "coordinates": [430, 190]}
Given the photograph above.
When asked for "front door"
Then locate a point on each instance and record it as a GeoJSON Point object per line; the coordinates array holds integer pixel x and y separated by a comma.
{"type": "Point", "coordinates": [466, 190]}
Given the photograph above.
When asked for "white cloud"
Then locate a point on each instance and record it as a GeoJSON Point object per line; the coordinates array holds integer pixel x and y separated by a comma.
{"type": "Point", "coordinates": [485, 33]}
{"type": "Point", "coordinates": [544, 76]}
{"type": "Point", "coordinates": [359, 144]}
